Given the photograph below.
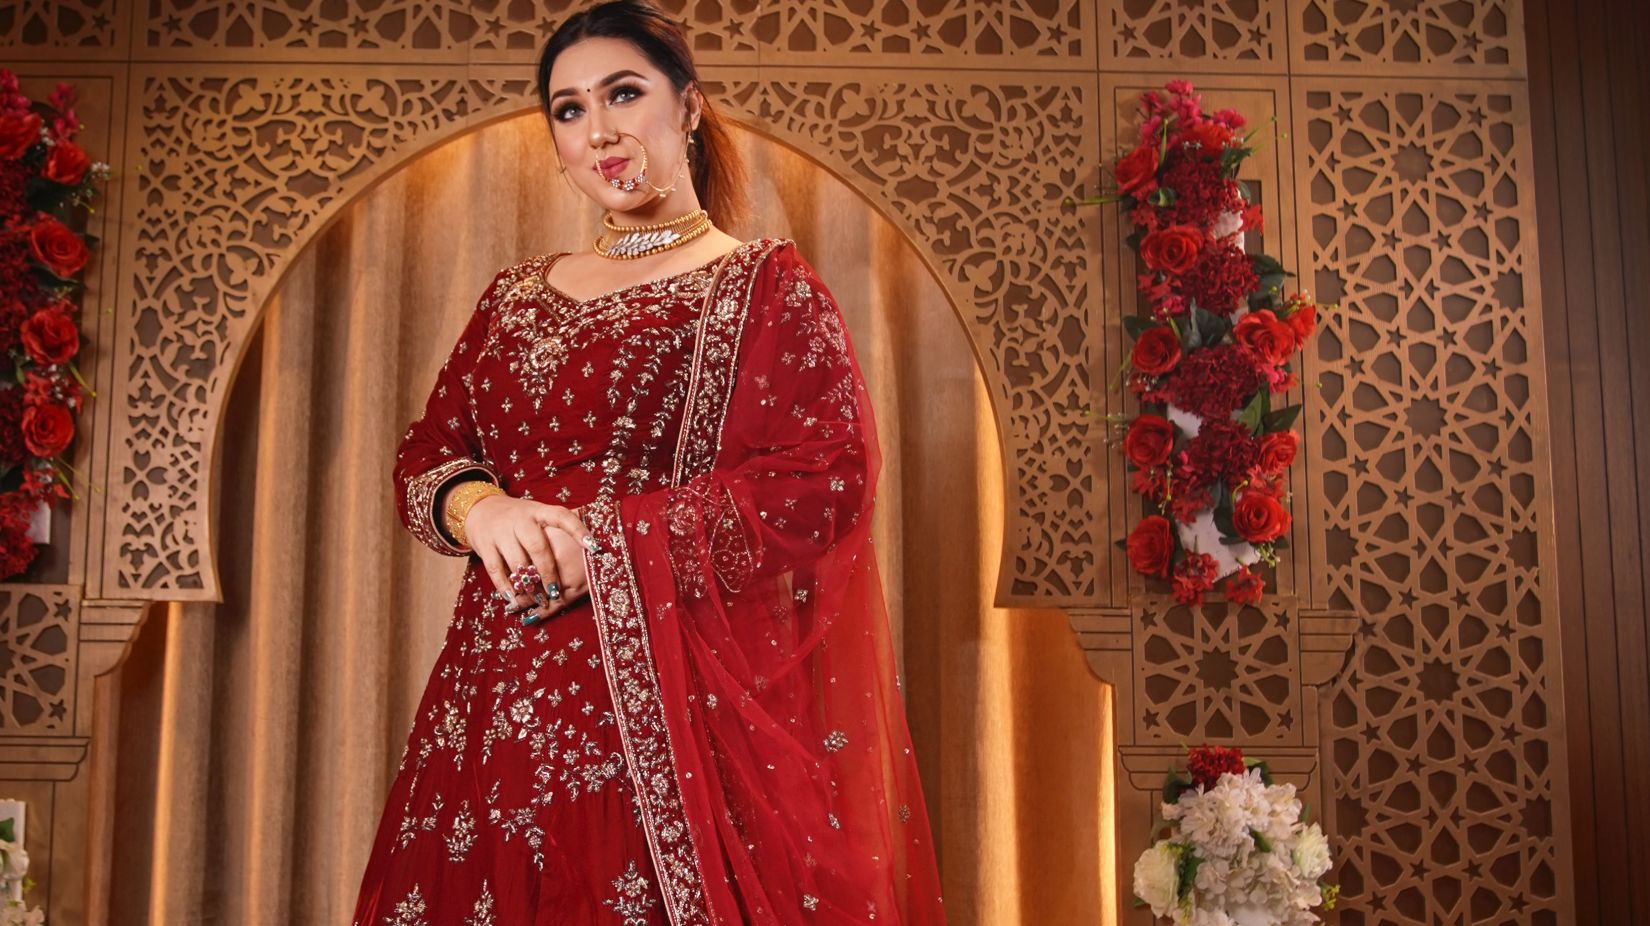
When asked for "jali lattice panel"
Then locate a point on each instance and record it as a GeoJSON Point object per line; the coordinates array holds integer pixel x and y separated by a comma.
{"type": "Point", "coordinates": [1441, 774]}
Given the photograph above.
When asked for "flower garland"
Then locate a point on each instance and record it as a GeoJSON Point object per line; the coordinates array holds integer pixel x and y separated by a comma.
{"type": "Point", "coordinates": [1208, 448]}
{"type": "Point", "coordinates": [45, 178]}
{"type": "Point", "coordinates": [1237, 852]}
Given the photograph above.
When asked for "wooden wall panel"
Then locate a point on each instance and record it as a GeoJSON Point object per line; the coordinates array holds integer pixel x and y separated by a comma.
{"type": "Point", "coordinates": [1590, 102]}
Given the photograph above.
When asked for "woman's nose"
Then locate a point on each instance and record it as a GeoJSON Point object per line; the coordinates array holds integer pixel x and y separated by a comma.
{"type": "Point", "coordinates": [600, 131]}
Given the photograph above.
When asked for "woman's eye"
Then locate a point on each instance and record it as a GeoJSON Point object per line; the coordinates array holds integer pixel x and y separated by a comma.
{"type": "Point", "coordinates": [566, 112]}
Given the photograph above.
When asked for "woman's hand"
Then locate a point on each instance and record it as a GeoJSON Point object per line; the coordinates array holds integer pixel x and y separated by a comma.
{"type": "Point", "coordinates": [508, 533]}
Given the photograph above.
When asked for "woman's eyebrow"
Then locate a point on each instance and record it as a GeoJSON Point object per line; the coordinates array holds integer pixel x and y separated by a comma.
{"type": "Point", "coordinates": [616, 75]}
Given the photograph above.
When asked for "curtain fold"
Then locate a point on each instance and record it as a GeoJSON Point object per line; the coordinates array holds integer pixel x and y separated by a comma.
{"type": "Point", "coordinates": [259, 736]}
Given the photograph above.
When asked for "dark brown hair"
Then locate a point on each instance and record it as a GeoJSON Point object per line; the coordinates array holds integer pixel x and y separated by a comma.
{"type": "Point", "coordinates": [717, 169]}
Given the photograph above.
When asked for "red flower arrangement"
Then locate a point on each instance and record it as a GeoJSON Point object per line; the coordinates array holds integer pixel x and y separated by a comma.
{"type": "Point", "coordinates": [45, 179]}
{"type": "Point", "coordinates": [1208, 449]}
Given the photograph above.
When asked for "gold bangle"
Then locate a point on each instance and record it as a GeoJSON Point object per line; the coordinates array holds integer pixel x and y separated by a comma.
{"type": "Point", "coordinates": [460, 499]}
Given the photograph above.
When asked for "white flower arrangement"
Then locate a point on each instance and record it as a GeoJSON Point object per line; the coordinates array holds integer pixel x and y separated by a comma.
{"type": "Point", "coordinates": [1238, 853]}
{"type": "Point", "coordinates": [14, 870]}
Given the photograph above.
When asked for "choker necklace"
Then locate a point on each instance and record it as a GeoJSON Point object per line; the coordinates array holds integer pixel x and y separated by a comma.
{"type": "Point", "coordinates": [627, 242]}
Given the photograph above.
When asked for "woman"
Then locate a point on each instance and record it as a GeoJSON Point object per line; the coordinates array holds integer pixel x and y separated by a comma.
{"type": "Point", "coordinates": [667, 694]}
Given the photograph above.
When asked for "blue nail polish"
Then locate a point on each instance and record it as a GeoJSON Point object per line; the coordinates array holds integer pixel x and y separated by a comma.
{"type": "Point", "coordinates": [528, 620]}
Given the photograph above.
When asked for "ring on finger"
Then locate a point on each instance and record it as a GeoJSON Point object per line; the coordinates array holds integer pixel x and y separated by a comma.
{"type": "Point", "coordinates": [523, 578]}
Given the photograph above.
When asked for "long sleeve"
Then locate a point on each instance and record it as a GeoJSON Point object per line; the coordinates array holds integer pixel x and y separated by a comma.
{"type": "Point", "coordinates": [443, 446]}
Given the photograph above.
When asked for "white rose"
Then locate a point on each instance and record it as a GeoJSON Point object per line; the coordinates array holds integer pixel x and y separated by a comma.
{"type": "Point", "coordinates": [14, 862]}
{"type": "Point", "coordinates": [1312, 853]}
{"type": "Point", "coordinates": [1156, 877]}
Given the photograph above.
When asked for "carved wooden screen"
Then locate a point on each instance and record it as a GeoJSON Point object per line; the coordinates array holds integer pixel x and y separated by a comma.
{"type": "Point", "coordinates": [1407, 673]}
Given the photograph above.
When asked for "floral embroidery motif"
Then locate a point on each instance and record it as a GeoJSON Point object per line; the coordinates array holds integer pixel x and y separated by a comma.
{"type": "Point", "coordinates": [409, 912]}
{"type": "Point", "coordinates": [463, 835]}
{"type": "Point", "coordinates": [635, 898]}
{"type": "Point", "coordinates": [482, 915]}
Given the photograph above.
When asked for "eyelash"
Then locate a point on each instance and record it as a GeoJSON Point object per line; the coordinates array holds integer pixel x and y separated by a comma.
{"type": "Point", "coordinates": [561, 113]}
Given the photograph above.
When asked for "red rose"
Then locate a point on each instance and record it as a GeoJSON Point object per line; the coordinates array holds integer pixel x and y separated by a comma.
{"type": "Point", "coordinates": [1149, 442]}
{"type": "Point", "coordinates": [47, 429]}
{"type": "Point", "coordinates": [1302, 322]}
{"type": "Point", "coordinates": [1259, 518]}
{"type": "Point", "coordinates": [1262, 333]}
{"type": "Point", "coordinates": [1277, 452]}
{"type": "Point", "coordinates": [1157, 351]}
{"type": "Point", "coordinates": [67, 164]}
{"type": "Point", "coordinates": [1137, 172]}
{"type": "Point", "coordinates": [50, 336]}
{"type": "Point", "coordinates": [1173, 250]}
{"type": "Point", "coordinates": [58, 247]}
{"type": "Point", "coordinates": [1245, 587]}
{"type": "Point", "coordinates": [1151, 546]}
{"type": "Point", "coordinates": [1211, 137]}
{"type": "Point", "coordinates": [18, 133]}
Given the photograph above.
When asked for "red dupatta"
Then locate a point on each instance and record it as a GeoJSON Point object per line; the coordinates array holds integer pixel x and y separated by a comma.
{"type": "Point", "coordinates": [744, 635]}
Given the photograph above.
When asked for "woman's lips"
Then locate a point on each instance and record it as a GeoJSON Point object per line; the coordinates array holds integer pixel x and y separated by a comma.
{"type": "Point", "coordinates": [611, 167]}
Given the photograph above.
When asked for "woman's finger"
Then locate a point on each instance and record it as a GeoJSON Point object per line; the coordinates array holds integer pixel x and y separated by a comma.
{"type": "Point", "coordinates": [570, 560]}
{"type": "Point", "coordinates": [565, 519]}
{"type": "Point", "coordinates": [497, 570]}
{"type": "Point", "coordinates": [519, 576]}
{"type": "Point", "coordinates": [544, 559]}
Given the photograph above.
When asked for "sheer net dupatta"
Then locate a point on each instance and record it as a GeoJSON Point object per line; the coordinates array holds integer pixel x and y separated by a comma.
{"type": "Point", "coordinates": [744, 633]}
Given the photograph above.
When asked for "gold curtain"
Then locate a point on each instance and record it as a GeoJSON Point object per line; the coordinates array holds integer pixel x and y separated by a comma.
{"type": "Point", "coordinates": [258, 737]}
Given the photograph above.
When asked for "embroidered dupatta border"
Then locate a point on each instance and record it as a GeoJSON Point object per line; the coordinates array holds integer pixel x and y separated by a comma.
{"type": "Point", "coordinates": [621, 618]}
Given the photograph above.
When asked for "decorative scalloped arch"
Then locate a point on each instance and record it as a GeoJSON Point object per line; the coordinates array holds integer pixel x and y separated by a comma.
{"type": "Point", "coordinates": [244, 171]}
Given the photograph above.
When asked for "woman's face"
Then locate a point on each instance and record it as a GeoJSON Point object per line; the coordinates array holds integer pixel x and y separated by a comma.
{"type": "Point", "coordinates": [608, 102]}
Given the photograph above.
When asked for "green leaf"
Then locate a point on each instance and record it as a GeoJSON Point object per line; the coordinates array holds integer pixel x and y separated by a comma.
{"type": "Point", "coordinates": [1191, 337]}
{"type": "Point", "coordinates": [8, 830]}
{"type": "Point", "coordinates": [1261, 842]}
{"type": "Point", "coordinates": [1186, 878]}
{"type": "Point", "coordinates": [1281, 419]}
{"type": "Point", "coordinates": [1213, 328]}
{"type": "Point", "coordinates": [1231, 158]}
{"type": "Point", "coordinates": [1137, 325]}
{"type": "Point", "coordinates": [1174, 785]}
{"type": "Point", "coordinates": [1266, 264]}
{"type": "Point", "coordinates": [1252, 413]}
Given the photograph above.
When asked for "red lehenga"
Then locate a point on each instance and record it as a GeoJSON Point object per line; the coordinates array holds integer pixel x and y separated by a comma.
{"type": "Point", "coordinates": [715, 735]}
